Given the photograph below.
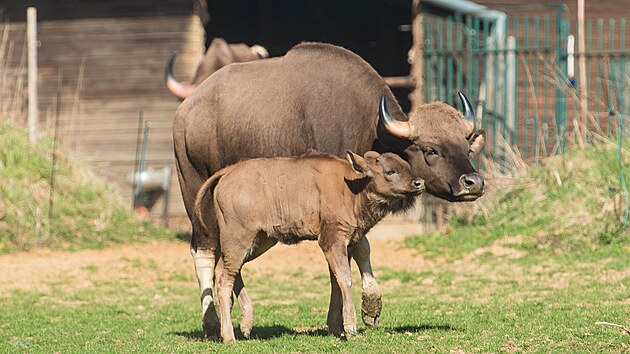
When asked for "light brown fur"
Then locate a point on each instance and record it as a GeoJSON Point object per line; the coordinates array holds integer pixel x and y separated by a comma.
{"type": "Point", "coordinates": [313, 197]}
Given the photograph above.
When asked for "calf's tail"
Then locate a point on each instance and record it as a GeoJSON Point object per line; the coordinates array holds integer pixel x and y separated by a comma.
{"type": "Point", "coordinates": [208, 185]}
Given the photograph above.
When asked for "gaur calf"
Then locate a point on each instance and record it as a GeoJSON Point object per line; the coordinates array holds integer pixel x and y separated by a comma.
{"type": "Point", "coordinates": [316, 196]}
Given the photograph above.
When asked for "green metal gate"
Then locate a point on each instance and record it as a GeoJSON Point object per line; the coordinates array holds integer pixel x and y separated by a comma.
{"type": "Point", "coordinates": [523, 77]}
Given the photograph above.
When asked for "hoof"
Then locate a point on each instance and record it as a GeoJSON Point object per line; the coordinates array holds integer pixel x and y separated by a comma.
{"type": "Point", "coordinates": [211, 338]}
{"type": "Point", "coordinates": [247, 332]}
{"type": "Point", "coordinates": [335, 330]}
{"type": "Point", "coordinates": [371, 306]}
{"type": "Point", "coordinates": [211, 333]}
{"type": "Point", "coordinates": [350, 330]}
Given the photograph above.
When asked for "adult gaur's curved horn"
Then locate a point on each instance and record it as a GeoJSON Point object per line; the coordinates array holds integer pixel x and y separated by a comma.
{"type": "Point", "coordinates": [468, 112]}
{"type": "Point", "coordinates": [177, 88]}
{"type": "Point", "coordinates": [398, 128]}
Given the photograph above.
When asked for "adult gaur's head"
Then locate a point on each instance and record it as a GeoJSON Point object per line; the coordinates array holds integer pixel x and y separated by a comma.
{"type": "Point", "coordinates": [438, 141]}
{"type": "Point", "coordinates": [218, 55]}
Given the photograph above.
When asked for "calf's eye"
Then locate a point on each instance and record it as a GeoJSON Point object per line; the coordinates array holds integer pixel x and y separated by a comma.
{"type": "Point", "coordinates": [390, 172]}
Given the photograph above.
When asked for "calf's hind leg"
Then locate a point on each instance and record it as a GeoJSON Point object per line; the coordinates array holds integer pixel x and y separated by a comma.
{"type": "Point", "coordinates": [225, 276]}
{"type": "Point", "coordinates": [263, 244]}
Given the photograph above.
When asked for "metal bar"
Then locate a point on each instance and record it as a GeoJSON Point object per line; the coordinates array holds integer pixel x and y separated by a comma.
{"type": "Point", "coordinates": [612, 77]}
{"type": "Point", "coordinates": [136, 160]}
{"type": "Point", "coordinates": [516, 113]}
{"type": "Point", "coordinates": [535, 89]}
{"type": "Point", "coordinates": [546, 28]}
{"type": "Point", "coordinates": [622, 63]}
{"type": "Point", "coordinates": [525, 91]}
{"type": "Point", "coordinates": [560, 107]}
{"type": "Point", "coordinates": [449, 62]}
{"type": "Point", "coordinates": [460, 61]}
{"type": "Point", "coordinates": [440, 66]}
{"type": "Point", "coordinates": [529, 50]}
{"type": "Point", "coordinates": [600, 45]}
{"type": "Point", "coordinates": [469, 59]}
{"type": "Point", "coordinates": [428, 71]}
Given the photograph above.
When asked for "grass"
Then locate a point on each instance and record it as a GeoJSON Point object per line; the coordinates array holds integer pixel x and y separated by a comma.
{"type": "Point", "coordinates": [487, 305]}
{"type": "Point", "coordinates": [86, 211]}
{"type": "Point", "coordinates": [569, 204]}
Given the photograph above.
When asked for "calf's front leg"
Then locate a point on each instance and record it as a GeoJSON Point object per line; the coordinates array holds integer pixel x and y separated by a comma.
{"type": "Point", "coordinates": [371, 297]}
{"type": "Point", "coordinates": [337, 257]}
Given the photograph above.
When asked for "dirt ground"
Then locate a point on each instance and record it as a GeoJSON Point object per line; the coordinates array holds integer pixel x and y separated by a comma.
{"type": "Point", "coordinates": [39, 269]}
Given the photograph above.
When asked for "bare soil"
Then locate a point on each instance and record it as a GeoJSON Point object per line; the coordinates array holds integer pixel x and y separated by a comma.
{"type": "Point", "coordinates": [40, 269]}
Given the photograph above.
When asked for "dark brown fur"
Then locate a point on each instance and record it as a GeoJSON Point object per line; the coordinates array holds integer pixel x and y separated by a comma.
{"type": "Point", "coordinates": [321, 97]}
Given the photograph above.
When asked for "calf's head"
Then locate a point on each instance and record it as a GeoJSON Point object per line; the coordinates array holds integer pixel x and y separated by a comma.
{"type": "Point", "coordinates": [387, 177]}
{"type": "Point", "coordinates": [438, 142]}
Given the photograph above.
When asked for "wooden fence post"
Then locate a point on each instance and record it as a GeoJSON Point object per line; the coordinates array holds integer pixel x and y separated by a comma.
{"type": "Point", "coordinates": [31, 24]}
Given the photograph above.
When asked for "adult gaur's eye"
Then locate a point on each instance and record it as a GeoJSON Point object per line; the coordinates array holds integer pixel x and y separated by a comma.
{"type": "Point", "coordinates": [430, 151]}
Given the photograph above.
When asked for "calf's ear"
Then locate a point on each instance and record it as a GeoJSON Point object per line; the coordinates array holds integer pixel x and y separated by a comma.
{"type": "Point", "coordinates": [358, 163]}
{"type": "Point", "coordinates": [476, 142]}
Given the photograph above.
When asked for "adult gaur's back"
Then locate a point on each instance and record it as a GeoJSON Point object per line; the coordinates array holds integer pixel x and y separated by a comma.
{"type": "Point", "coordinates": [316, 97]}
{"type": "Point", "coordinates": [321, 97]}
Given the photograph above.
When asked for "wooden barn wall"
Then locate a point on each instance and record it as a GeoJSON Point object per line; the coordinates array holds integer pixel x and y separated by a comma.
{"type": "Point", "coordinates": [110, 69]}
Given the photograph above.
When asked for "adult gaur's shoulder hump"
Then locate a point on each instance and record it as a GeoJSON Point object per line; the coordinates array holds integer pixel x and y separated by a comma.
{"type": "Point", "coordinates": [329, 51]}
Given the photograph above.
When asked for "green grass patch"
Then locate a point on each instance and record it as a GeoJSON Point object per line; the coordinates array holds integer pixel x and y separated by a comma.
{"type": "Point", "coordinates": [86, 211]}
{"type": "Point", "coordinates": [486, 306]}
{"type": "Point", "coordinates": [567, 204]}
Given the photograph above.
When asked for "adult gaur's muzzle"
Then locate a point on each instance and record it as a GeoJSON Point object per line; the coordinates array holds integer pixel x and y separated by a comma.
{"type": "Point", "coordinates": [472, 184]}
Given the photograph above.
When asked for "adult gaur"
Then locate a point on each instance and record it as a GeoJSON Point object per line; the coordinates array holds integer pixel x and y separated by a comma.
{"type": "Point", "coordinates": [322, 97]}
{"type": "Point", "coordinates": [218, 55]}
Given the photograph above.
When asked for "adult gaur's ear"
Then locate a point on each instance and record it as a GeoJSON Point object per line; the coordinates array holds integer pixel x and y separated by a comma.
{"type": "Point", "coordinates": [476, 142]}
{"type": "Point", "coordinates": [358, 163]}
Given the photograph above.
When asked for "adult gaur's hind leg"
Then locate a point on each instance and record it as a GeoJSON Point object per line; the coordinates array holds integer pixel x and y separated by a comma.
{"type": "Point", "coordinates": [203, 246]}
{"type": "Point", "coordinates": [204, 269]}
{"type": "Point", "coordinates": [371, 297]}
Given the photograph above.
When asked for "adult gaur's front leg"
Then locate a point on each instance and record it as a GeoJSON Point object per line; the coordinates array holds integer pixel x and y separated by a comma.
{"type": "Point", "coordinates": [371, 298]}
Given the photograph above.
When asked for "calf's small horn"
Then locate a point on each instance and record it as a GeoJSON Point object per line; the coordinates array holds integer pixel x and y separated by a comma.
{"type": "Point", "coordinates": [177, 88]}
{"type": "Point", "coordinates": [398, 128]}
{"type": "Point", "coordinates": [468, 112]}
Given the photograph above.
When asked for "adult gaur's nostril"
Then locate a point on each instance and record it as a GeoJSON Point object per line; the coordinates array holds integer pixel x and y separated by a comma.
{"type": "Point", "coordinates": [473, 182]}
{"type": "Point", "coordinates": [418, 183]}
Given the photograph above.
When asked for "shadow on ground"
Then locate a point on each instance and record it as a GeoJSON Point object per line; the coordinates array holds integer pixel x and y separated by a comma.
{"type": "Point", "coordinates": [269, 332]}
{"type": "Point", "coordinates": [422, 328]}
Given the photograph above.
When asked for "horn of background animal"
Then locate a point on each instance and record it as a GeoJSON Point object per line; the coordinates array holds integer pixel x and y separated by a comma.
{"type": "Point", "coordinates": [398, 128]}
{"type": "Point", "coordinates": [468, 112]}
{"type": "Point", "coordinates": [260, 51]}
{"type": "Point", "coordinates": [177, 88]}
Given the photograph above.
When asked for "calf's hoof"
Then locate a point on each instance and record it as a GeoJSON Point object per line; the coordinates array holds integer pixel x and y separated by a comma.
{"type": "Point", "coordinates": [371, 305]}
